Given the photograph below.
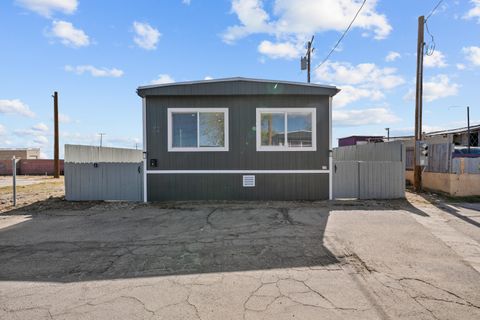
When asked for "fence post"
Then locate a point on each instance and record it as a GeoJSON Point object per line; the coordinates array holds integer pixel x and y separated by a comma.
{"type": "Point", "coordinates": [14, 180]}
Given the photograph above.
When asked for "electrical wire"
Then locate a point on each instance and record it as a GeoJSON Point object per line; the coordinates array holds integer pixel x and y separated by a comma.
{"type": "Point", "coordinates": [343, 35]}
{"type": "Point", "coordinates": [430, 48]}
{"type": "Point", "coordinates": [433, 11]}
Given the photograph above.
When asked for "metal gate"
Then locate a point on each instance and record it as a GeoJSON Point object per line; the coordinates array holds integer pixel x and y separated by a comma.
{"type": "Point", "coordinates": [105, 181]}
{"type": "Point", "coordinates": [345, 179]}
{"type": "Point", "coordinates": [93, 173]}
{"type": "Point", "coordinates": [372, 171]}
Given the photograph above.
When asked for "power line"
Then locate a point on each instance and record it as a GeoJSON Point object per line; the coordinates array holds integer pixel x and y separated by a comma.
{"type": "Point", "coordinates": [431, 47]}
{"type": "Point", "coordinates": [433, 11]}
{"type": "Point", "coordinates": [343, 35]}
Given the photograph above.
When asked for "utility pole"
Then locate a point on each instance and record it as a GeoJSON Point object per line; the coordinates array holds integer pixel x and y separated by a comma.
{"type": "Point", "coordinates": [417, 174]}
{"type": "Point", "coordinates": [101, 138]}
{"type": "Point", "coordinates": [306, 60]}
{"type": "Point", "coordinates": [309, 54]}
{"type": "Point", "coordinates": [56, 161]}
{"type": "Point", "coordinates": [468, 128]}
{"type": "Point", "coordinates": [388, 133]}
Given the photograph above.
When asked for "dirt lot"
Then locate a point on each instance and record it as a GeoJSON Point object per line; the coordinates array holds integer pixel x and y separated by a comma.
{"type": "Point", "coordinates": [221, 260]}
{"type": "Point", "coordinates": [30, 189]}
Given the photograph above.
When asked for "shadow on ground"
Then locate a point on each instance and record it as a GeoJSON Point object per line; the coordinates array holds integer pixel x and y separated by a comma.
{"type": "Point", "coordinates": [62, 241]}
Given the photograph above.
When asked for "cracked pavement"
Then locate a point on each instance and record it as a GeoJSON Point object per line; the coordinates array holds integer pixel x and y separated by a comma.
{"type": "Point", "coordinates": [255, 260]}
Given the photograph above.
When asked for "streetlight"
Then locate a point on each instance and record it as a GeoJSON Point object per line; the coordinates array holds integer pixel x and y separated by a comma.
{"type": "Point", "coordinates": [468, 124]}
{"type": "Point", "coordinates": [388, 133]}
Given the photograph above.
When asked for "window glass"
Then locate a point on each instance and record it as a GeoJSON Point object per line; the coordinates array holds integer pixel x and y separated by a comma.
{"type": "Point", "coordinates": [299, 129]}
{"type": "Point", "coordinates": [272, 129]}
{"type": "Point", "coordinates": [212, 129]}
{"type": "Point", "coordinates": [184, 127]}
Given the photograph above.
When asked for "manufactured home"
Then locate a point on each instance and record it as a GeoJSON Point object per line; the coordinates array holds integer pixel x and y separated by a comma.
{"type": "Point", "coordinates": [237, 139]}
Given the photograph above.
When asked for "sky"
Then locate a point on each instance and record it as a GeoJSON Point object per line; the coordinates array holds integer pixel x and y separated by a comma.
{"type": "Point", "coordinates": [96, 53]}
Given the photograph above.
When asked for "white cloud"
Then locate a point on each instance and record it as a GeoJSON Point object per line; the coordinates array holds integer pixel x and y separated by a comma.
{"type": "Point", "coordinates": [474, 12]}
{"type": "Point", "coordinates": [277, 50]}
{"type": "Point", "coordinates": [208, 78]}
{"type": "Point", "coordinates": [436, 88]}
{"type": "Point", "coordinates": [40, 140]}
{"type": "Point", "coordinates": [473, 54]}
{"type": "Point", "coordinates": [362, 117]}
{"type": "Point", "coordinates": [162, 79]}
{"type": "Point", "coordinates": [252, 17]}
{"type": "Point", "coordinates": [95, 72]}
{"type": "Point", "coordinates": [362, 81]}
{"type": "Point", "coordinates": [40, 127]}
{"type": "Point", "coordinates": [436, 60]}
{"type": "Point", "coordinates": [460, 66]}
{"type": "Point", "coordinates": [63, 118]}
{"type": "Point", "coordinates": [36, 135]}
{"type": "Point", "coordinates": [146, 36]}
{"type": "Point", "coordinates": [68, 34]}
{"type": "Point", "coordinates": [349, 94]}
{"type": "Point", "coordinates": [187, 2]}
{"type": "Point", "coordinates": [392, 56]}
{"type": "Point", "coordinates": [47, 7]}
{"type": "Point", "coordinates": [301, 18]}
{"type": "Point", "coordinates": [17, 107]}
{"type": "Point", "coordinates": [367, 74]}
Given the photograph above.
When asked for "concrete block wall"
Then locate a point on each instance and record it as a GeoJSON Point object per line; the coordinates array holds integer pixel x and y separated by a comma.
{"type": "Point", "coordinates": [459, 185]}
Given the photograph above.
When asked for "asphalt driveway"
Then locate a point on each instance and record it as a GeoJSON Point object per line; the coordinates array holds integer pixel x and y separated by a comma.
{"type": "Point", "coordinates": [328, 260]}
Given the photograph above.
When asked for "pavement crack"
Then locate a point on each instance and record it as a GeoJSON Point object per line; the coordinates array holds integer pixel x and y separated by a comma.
{"type": "Point", "coordinates": [467, 303]}
{"type": "Point", "coordinates": [151, 312]}
{"type": "Point", "coordinates": [209, 215]}
{"type": "Point", "coordinates": [197, 313]}
{"type": "Point", "coordinates": [286, 216]}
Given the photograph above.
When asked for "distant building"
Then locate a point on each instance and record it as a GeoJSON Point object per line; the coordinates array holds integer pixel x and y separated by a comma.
{"type": "Point", "coordinates": [20, 153]}
{"type": "Point", "coordinates": [457, 136]}
{"type": "Point", "coordinates": [354, 140]}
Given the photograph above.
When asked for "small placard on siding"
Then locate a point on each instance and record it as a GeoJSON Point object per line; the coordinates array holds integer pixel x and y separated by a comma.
{"type": "Point", "coordinates": [249, 181]}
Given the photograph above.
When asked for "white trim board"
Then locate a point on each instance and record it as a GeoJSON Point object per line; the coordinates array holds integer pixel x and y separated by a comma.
{"type": "Point", "coordinates": [330, 151]}
{"type": "Point", "coordinates": [144, 145]}
{"type": "Point", "coordinates": [234, 171]}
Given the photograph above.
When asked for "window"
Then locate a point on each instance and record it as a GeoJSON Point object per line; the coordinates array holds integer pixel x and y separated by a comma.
{"type": "Point", "coordinates": [202, 129]}
{"type": "Point", "coordinates": [286, 129]}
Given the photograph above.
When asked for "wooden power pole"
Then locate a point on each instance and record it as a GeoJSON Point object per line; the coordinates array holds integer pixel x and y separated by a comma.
{"type": "Point", "coordinates": [56, 161]}
{"type": "Point", "coordinates": [417, 174]}
{"type": "Point", "coordinates": [309, 56]}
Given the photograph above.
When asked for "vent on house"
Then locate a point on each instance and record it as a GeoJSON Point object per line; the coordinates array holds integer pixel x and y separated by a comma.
{"type": "Point", "coordinates": [249, 181]}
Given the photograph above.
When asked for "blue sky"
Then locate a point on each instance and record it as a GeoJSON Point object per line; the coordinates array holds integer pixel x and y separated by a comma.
{"type": "Point", "coordinates": [96, 53]}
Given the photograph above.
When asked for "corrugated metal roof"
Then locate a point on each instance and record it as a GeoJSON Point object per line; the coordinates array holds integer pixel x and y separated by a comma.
{"type": "Point", "coordinates": [237, 86]}
{"type": "Point", "coordinates": [457, 130]}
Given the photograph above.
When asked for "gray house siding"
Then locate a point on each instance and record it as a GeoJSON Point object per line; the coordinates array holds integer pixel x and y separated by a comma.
{"type": "Point", "coordinates": [242, 138]}
{"type": "Point", "coordinates": [217, 186]}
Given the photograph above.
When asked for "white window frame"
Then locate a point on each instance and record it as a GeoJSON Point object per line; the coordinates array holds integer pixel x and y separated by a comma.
{"type": "Point", "coordinates": [286, 111]}
{"type": "Point", "coordinates": [170, 111]}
